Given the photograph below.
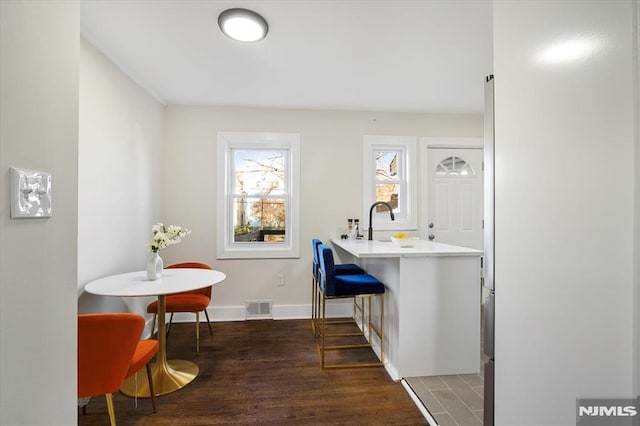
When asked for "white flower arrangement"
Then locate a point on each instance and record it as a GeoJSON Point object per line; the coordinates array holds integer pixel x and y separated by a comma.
{"type": "Point", "coordinates": [164, 236]}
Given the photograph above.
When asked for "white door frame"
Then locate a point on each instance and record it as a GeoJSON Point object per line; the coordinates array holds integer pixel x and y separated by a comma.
{"type": "Point", "coordinates": [424, 143]}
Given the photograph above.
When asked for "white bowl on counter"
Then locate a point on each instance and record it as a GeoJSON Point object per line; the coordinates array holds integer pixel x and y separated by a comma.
{"type": "Point", "coordinates": [404, 242]}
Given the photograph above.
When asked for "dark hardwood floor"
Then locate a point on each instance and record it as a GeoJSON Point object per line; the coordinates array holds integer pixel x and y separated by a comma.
{"type": "Point", "coordinates": [268, 373]}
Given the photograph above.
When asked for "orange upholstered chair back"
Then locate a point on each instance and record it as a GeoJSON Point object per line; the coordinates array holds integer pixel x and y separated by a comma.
{"type": "Point", "coordinates": [106, 344]}
{"type": "Point", "coordinates": [197, 265]}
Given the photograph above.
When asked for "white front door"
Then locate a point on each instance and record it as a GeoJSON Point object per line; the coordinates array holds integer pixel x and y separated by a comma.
{"type": "Point", "coordinates": [454, 191]}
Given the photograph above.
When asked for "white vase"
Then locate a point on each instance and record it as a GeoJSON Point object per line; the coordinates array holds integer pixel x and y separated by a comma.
{"type": "Point", "coordinates": [154, 266]}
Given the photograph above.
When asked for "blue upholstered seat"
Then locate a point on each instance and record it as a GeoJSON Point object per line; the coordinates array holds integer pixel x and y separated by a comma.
{"type": "Point", "coordinates": [333, 285]}
{"type": "Point", "coordinates": [353, 285]}
{"type": "Point", "coordinates": [341, 269]}
{"type": "Point", "coordinates": [336, 285]}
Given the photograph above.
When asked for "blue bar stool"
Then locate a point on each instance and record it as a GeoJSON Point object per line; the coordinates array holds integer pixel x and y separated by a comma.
{"type": "Point", "coordinates": [341, 269]}
{"type": "Point", "coordinates": [334, 286]}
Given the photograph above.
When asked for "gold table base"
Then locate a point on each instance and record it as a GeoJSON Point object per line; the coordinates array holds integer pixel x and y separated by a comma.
{"type": "Point", "coordinates": [167, 378]}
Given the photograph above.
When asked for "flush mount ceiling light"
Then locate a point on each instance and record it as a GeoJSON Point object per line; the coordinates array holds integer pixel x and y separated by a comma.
{"type": "Point", "coordinates": [243, 25]}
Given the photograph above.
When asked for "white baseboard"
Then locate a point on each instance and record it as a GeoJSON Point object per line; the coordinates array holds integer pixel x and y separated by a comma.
{"type": "Point", "coordinates": [280, 312]}
{"type": "Point", "coordinates": [238, 313]}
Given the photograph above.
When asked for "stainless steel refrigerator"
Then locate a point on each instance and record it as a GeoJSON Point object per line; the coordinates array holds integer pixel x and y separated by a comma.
{"type": "Point", "coordinates": [489, 251]}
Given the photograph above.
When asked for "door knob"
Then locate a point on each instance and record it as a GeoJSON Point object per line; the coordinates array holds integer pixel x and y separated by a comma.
{"type": "Point", "coordinates": [430, 224]}
{"type": "Point", "coordinates": [431, 236]}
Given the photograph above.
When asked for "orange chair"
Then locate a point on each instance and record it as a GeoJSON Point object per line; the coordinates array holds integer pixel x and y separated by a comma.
{"type": "Point", "coordinates": [110, 350]}
{"type": "Point", "coordinates": [188, 301]}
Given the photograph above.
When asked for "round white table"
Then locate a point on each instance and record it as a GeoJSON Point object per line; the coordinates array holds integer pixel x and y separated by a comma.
{"type": "Point", "coordinates": [168, 375]}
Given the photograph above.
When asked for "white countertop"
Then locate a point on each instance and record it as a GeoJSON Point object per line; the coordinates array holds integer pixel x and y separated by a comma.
{"type": "Point", "coordinates": [421, 248]}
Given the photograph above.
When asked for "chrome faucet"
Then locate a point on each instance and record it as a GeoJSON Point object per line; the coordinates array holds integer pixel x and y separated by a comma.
{"type": "Point", "coordinates": [379, 203]}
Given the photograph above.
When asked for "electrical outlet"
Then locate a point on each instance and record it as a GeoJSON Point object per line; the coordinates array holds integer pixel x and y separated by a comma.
{"type": "Point", "coordinates": [280, 280]}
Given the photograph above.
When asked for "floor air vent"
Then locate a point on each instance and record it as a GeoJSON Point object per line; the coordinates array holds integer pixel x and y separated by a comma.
{"type": "Point", "coordinates": [259, 309]}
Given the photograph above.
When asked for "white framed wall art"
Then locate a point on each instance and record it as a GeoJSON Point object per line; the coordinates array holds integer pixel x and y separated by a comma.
{"type": "Point", "coordinates": [30, 193]}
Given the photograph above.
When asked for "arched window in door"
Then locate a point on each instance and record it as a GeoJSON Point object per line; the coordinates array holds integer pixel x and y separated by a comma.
{"type": "Point", "coordinates": [454, 166]}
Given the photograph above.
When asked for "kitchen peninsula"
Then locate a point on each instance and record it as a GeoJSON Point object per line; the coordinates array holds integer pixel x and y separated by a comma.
{"type": "Point", "coordinates": [431, 306]}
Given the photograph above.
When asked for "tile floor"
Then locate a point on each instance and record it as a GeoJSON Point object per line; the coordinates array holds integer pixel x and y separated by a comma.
{"type": "Point", "coordinates": [455, 400]}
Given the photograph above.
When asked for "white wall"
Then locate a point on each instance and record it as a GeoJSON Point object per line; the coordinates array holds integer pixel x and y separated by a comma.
{"type": "Point", "coordinates": [564, 210]}
{"type": "Point", "coordinates": [38, 269]}
{"type": "Point", "coordinates": [119, 177]}
{"type": "Point", "coordinates": [331, 184]}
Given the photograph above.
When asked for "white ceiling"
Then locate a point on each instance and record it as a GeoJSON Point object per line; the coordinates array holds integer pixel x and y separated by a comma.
{"type": "Point", "coordinates": [410, 56]}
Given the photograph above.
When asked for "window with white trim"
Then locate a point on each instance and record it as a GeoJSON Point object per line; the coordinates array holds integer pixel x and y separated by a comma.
{"type": "Point", "coordinates": [390, 175]}
{"type": "Point", "coordinates": [258, 190]}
